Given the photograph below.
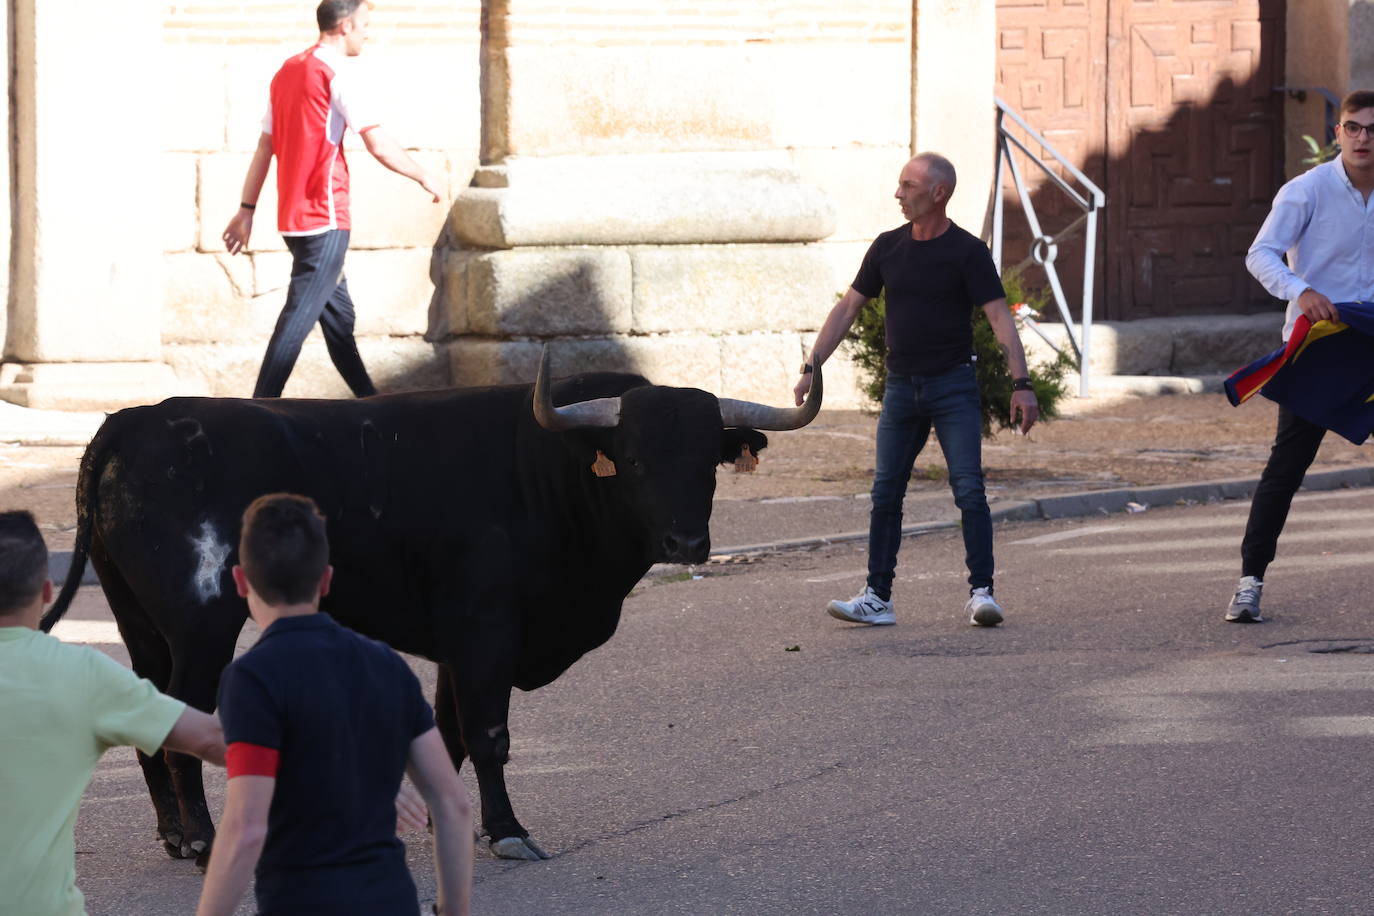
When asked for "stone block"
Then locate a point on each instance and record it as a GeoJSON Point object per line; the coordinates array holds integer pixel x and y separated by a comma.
{"type": "Point", "coordinates": [179, 218]}
{"type": "Point", "coordinates": [819, 92]}
{"type": "Point", "coordinates": [730, 288]}
{"type": "Point", "coordinates": [89, 386]}
{"type": "Point", "coordinates": [861, 180]}
{"type": "Point", "coordinates": [230, 370]}
{"type": "Point", "coordinates": [679, 361]}
{"type": "Point", "coordinates": [546, 292]}
{"type": "Point", "coordinates": [205, 298]}
{"type": "Point", "coordinates": [391, 290]}
{"type": "Point", "coordinates": [389, 211]}
{"type": "Point", "coordinates": [641, 199]}
{"type": "Point", "coordinates": [194, 102]}
{"type": "Point", "coordinates": [760, 367]}
{"type": "Point", "coordinates": [272, 273]}
{"type": "Point", "coordinates": [248, 79]}
{"type": "Point", "coordinates": [418, 119]}
{"type": "Point", "coordinates": [755, 366]}
{"type": "Point", "coordinates": [1223, 343]}
{"type": "Point", "coordinates": [579, 99]}
{"type": "Point", "coordinates": [221, 186]}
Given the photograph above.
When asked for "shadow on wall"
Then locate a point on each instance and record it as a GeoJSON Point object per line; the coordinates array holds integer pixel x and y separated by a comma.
{"type": "Point", "coordinates": [1184, 202]}
{"type": "Point", "coordinates": [493, 310]}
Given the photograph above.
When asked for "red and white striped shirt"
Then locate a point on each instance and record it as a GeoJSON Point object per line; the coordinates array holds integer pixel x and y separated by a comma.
{"type": "Point", "coordinates": [314, 99]}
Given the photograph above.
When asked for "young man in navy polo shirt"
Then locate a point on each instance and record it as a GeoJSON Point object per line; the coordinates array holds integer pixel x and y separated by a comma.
{"type": "Point", "coordinates": [321, 723]}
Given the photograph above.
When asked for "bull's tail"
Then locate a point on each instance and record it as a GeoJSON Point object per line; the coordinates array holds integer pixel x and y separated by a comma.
{"type": "Point", "coordinates": [93, 463]}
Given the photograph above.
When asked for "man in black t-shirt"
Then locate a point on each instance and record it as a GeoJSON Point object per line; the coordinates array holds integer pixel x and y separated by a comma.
{"type": "Point", "coordinates": [934, 274]}
{"type": "Point", "coordinates": [321, 724]}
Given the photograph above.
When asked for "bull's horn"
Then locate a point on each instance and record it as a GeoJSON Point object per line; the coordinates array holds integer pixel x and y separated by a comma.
{"type": "Point", "coordinates": [597, 412]}
{"type": "Point", "coordinates": [761, 416]}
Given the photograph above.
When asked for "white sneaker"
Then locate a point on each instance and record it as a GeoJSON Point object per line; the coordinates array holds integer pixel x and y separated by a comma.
{"type": "Point", "coordinates": [1245, 604]}
{"type": "Point", "coordinates": [865, 607]}
{"type": "Point", "coordinates": [983, 609]}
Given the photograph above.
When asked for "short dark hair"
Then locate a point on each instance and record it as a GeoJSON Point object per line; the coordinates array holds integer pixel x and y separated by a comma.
{"type": "Point", "coordinates": [23, 560]}
{"type": "Point", "coordinates": [1360, 98]}
{"type": "Point", "coordinates": [330, 13]}
{"type": "Point", "coordinates": [283, 548]}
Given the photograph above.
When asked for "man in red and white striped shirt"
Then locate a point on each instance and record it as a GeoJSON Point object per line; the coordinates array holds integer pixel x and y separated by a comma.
{"type": "Point", "coordinates": [314, 99]}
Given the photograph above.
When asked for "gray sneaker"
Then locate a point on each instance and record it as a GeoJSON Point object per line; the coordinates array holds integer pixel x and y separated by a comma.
{"type": "Point", "coordinates": [865, 607]}
{"type": "Point", "coordinates": [1245, 603]}
{"type": "Point", "coordinates": [983, 609]}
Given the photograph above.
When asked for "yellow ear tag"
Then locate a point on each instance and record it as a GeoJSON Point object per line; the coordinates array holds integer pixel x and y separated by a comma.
{"type": "Point", "coordinates": [746, 462]}
{"type": "Point", "coordinates": [603, 466]}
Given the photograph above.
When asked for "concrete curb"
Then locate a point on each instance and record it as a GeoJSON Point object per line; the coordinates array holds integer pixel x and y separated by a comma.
{"type": "Point", "coordinates": [1078, 505]}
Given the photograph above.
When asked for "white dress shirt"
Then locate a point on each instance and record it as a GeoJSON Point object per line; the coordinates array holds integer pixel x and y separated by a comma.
{"type": "Point", "coordinates": [1326, 227]}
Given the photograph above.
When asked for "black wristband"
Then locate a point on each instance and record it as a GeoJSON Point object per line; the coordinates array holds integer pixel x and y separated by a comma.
{"type": "Point", "coordinates": [244, 206]}
{"type": "Point", "coordinates": [807, 368]}
{"type": "Point", "coordinates": [1022, 384]}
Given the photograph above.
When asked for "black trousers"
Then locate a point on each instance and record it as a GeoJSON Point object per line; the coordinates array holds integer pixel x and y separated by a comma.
{"type": "Point", "coordinates": [318, 292]}
{"type": "Point", "coordinates": [1295, 446]}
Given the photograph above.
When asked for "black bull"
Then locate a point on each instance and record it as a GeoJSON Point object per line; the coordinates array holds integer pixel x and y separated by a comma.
{"type": "Point", "coordinates": [466, 526]}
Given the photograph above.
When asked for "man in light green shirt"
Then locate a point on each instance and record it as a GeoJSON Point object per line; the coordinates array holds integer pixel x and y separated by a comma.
{"type": "Point", "coordinates": [61, 707]}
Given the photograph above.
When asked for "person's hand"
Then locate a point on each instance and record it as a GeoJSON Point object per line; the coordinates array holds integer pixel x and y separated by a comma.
{"type": "Point", "coordinates": [802, 387]}
{"type": "Point", "coordinates": [411, 813]}
{"type": "Point", "coordinates": [1025, 410]}
{"type": "Point", "coordinates": [427, 182]}
{"type": "Point", "coordinates": [1317, 307]}
{"type": "Point", "coordinates": [239, 228]}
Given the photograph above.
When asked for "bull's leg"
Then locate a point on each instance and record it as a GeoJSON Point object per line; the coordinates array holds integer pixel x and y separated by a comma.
{"type": "Point", "coordinates": [446, 717]}
{"type": "Point", "coordinates": [482, 697]}
{"type": "Point", "coordinates": [152, 659]}
{"type": "Point", "coordinates": [196, 665]}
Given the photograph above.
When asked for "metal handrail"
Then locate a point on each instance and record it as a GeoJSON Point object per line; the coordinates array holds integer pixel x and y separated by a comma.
{"type": "Point", "coordinates": [1045, 248]}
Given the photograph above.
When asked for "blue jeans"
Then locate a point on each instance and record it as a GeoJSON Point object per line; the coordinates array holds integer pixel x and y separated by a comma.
{"type": "Point", "coordinates": [911, 404]}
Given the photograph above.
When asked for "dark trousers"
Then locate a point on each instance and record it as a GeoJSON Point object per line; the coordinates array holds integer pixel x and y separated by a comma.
{"type": "Point", "coordinates": [1295, 446]}
{"type": "Point", "coordinates": [318, 292]}
{"type": "Point", "coordinates": [912, 404]}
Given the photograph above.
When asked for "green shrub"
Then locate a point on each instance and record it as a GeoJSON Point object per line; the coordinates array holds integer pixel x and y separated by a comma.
{"type": "Point", "coordinates": [866, 345]}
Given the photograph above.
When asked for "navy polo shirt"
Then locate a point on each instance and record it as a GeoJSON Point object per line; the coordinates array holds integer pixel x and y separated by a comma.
{"type": "Point", "coordinates": [341, 710]}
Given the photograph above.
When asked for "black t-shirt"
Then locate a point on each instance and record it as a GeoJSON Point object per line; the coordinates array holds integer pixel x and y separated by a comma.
{"type": "Point", "coordinates": [932, 288]}
{"type": "Point", "coordinates": [341, 710]}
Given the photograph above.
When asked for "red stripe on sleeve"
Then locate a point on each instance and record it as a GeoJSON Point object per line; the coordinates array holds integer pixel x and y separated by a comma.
{"type": "Point", "coordinates": [244, 759]}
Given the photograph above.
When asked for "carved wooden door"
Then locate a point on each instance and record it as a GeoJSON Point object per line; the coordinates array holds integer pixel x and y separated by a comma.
{"type": "Point", "coordinates": [1194, 146]}
{"type": "Point", "coordinates": [1170, 106]}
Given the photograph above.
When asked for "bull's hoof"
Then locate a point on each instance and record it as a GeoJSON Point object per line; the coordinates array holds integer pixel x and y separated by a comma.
{"type": "Point", "coordinates": [173, 849]}
{"type": "Point", "coordinates": [517, 847]}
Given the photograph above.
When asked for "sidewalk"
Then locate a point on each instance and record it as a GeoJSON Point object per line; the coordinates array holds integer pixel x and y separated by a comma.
{"type": "Point", "coordinates": [1116, 452]}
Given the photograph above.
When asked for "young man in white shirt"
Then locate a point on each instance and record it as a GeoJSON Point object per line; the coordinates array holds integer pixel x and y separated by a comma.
{"type": "Point", "coordinates": [1323, 221]}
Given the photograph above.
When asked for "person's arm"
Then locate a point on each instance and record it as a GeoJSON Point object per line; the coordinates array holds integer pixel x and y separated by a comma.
{"type": "Point", "coordinates": [238, 844]}
{"type": "Point", "coordinates": [197, 733]}
{"type": "Point", "coordinates": [241, 225]}
{"type": "Point", "coordinates": [837, 324]}
{"type": "Point", "coordinates": [390, 154]}
{"type": "Point", "coordinates": [1283, 228]}
{"type": "Point", "coordinates": [1025, 410]}
{"type": "Point", "coordinates": [432, 772]}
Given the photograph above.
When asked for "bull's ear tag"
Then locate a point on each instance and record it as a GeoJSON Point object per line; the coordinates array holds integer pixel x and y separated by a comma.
{"type": "Point", "coordinates": [746, 462]}
{"type": "Point", "coordinates": [603, 466]}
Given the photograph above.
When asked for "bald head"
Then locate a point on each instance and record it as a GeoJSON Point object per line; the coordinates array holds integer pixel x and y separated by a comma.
{"type": "Point", "coordinates": [939, 169]}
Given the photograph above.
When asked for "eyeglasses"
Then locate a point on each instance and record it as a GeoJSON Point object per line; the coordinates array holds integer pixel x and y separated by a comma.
{"type": "Point", "coordinates": [1355, 128]}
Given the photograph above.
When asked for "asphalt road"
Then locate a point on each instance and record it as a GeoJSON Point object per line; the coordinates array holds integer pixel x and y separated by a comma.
{"type": "Point", "coordinates": [1113, 748]}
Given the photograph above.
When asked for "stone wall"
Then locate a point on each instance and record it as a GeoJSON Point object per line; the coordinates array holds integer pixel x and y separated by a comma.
{"type": "Point", "coordinates": [421, 65]}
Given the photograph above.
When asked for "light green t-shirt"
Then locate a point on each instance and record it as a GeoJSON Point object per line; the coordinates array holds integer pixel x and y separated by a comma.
{"type": "Point", "coordinates": [61, 706]}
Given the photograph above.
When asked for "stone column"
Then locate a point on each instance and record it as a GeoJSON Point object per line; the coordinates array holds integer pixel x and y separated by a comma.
{"type": "Point", "coordinates": [954, 74]}
{"type": "Point", "coordinates": [86, 295]}
{"type": "Point", "coordinates": [633, 205]}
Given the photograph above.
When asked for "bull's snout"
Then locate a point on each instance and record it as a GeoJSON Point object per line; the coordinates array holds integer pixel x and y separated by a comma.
{"type": "Point", "coordinates": [684, 548]}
